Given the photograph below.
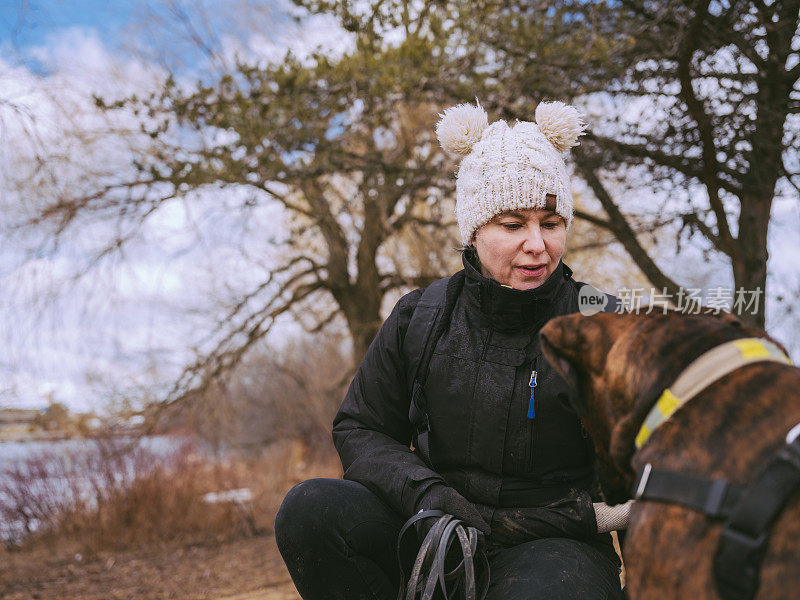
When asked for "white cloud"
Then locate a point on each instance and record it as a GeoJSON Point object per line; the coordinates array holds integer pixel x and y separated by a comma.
{"type": "Point", "coordinates": [114, 324]}
{"type": "Point", "coordinates": [315, 33]}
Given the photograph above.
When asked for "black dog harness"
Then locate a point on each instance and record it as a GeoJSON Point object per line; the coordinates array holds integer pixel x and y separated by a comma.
{"type": "Point", "coordinates": [748, 511]}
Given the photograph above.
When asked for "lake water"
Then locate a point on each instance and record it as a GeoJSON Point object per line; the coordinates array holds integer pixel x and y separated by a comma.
{"type": "Point", "coordinates": [16, 451]}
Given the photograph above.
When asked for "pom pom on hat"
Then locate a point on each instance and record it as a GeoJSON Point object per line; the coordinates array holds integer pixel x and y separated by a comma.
{"type": "Point", "coordinates": [460, 127]}
{"type": "Point", "coordinates": [560, 123]}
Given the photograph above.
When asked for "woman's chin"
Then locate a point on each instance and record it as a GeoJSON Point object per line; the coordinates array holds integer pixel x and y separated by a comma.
{"type": "Point", "coordinates": [527, 284]}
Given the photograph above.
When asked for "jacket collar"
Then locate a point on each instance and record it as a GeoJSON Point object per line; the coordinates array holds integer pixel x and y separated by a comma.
{"type": "Point", "coordinates": [508, 308]}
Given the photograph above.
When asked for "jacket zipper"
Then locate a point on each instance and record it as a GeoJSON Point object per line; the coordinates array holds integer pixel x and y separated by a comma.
{"type": "Point", "coordinates": [531, 420]}
{"type": "Point", "coordinates": [532, 384]}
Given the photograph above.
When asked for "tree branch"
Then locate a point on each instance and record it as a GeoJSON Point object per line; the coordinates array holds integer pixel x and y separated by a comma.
{"type": "Point", "coordinates": [245, 300]}
{"type": "Point", "coordinates": [407, 219]}
{"type": "Point", "coordinates": [689, 167]}
{"type": "Point", "coordinates": [593, 219]}
{"type": "Point", "coordinates": [618, 224]}
{"type": "Point", "coordinates": [697, 111]}
{"type": "Point", "coordinates": [196, 378]}
{"type": "Point", "coordinates": [284, 200]}
{"type": "Point", "coordinates": [693, 220]}
{"type": "Point", "coordinates": [332, 233]}
{"type": "Point", "coordinates": [724, 34]}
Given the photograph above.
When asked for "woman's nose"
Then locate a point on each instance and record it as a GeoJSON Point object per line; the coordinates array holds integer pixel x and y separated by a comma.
{"type": "Point", "coordinates": [533, 240]}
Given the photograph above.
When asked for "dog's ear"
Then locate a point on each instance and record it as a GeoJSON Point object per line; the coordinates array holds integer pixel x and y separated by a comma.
{"type": "Point", "coordinates": [721, 315]}
{"type": "Point", "coordinates": [573, 344]}
{"type": "Point", "coordinates": [564, 367]}
{"type": "Point", "coordinates": [620, 448]}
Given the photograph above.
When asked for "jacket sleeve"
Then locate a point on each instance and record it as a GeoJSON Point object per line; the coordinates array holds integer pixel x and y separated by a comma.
{"type": "Point", "coordinates": [372, 431]}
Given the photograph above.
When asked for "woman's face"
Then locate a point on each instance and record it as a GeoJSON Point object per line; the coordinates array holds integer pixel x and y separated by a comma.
{"type": "Point", "coordinates": [521, 248]}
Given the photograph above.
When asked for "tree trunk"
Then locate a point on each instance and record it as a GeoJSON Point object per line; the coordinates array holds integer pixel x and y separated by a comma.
{"type": "Point", "coordinates": [750, 273]}
{"type": "Point", "coordinates": [758, 187]}
{"type": "Point", "coordinates": [362, 312]}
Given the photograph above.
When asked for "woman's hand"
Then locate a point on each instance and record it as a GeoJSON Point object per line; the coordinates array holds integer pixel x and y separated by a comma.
{"type": "Point", "coordinates": [571, 517]}
{"type": "Point", "coordinates": [450, 502]}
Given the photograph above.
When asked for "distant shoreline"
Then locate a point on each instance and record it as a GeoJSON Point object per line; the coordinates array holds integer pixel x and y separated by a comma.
{"type": "Point", "coordinates": [43, 436]}
{"type": "Point", "coordinates": [56, 436]}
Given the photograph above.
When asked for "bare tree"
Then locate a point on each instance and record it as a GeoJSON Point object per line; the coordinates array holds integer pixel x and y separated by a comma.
{"type": "Point", "coordinates": [723, 80]}
{"type": "Point", "coordinates": [272, 395]}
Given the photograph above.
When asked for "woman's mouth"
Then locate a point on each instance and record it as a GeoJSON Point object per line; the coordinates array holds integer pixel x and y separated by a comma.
{"type": "Point", "coordinates": [532, 270]}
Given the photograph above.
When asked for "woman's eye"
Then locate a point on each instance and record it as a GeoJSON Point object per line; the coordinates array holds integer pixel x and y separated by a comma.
{"type": "Point", "coordinates": [511, 226]}
{"type": "Point", "coordinates": [550, 224]}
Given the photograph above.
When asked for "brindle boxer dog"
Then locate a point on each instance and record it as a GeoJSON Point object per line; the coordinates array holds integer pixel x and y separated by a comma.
{"type": "Point", "coordinates": [620, 364]}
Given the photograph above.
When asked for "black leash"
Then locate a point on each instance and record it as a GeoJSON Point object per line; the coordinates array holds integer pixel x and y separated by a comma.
{"type": "Point", "coordinates": [748, 511]}
{"type": "Point", "coordinates": [428, 571]}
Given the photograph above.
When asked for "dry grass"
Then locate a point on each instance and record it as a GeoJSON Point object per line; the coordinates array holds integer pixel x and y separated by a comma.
{"type": "Point", "coordinates": [119, 522]}
{"type": "Point", "coordinates": [271, 473]}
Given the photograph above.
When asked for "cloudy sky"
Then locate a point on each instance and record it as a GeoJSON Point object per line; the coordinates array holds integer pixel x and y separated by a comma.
{"type": "Point", "coordinates": [80, 339]}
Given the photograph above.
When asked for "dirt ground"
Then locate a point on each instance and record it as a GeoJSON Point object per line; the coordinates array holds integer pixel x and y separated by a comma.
{"type": "Point", "coordinates": [243, 569]}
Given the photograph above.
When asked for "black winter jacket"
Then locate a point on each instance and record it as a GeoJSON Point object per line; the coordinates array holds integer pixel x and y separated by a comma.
{"type": "Point", "coordinates": [478, 395]}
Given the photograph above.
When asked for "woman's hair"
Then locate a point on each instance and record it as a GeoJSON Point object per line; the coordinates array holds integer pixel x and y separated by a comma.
{"type": "Point", "coordinates": [471, 253]}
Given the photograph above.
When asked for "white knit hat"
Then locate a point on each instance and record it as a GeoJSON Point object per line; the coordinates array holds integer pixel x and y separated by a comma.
{"type": "Point", "coordinates": [509, 168]}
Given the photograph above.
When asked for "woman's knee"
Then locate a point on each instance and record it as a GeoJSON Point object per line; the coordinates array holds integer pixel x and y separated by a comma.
{"type": "Point", "coordinates": [302, 506]}
{"type": "Point", "coordinates": [557, 568]}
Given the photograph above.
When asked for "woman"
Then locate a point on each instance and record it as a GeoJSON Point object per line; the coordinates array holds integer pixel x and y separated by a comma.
{"type": "Point", "coordinates": [499, 446]}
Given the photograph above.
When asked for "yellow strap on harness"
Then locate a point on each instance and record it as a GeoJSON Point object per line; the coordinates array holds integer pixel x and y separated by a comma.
{"type": "Point", "coordinates": [702, 372]}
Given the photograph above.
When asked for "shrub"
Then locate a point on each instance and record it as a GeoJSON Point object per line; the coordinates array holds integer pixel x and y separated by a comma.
{"type": "Point", "coordinates": [116, 493]}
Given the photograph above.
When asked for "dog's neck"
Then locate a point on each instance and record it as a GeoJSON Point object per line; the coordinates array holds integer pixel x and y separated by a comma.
{"type": "Point", "coordinates": [701, 373]}
{"type": "Point", "coordinates": [647, 363]}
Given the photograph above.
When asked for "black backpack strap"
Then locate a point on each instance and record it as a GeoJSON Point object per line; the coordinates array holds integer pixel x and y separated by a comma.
{"type": "Point", "coordinates": [430, 319]}
{"type": "Point", "coordinates": [420, 328]}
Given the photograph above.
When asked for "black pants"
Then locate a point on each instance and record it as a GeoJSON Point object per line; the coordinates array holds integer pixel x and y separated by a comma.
{"type": "Point", "coordinates": [339, 541]}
